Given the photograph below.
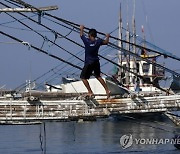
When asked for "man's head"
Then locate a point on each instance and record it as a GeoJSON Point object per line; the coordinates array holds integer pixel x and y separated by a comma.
{"type": "Point", "coordinates": [92, 32]}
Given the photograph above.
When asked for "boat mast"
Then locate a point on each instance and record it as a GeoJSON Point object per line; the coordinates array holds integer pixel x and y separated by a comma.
{"type": "Point", "coordinates": [143, 52]}
{"type": "Point", "coordinates": [134, 28]}
{"type": "Point", "coordinates": [127, 56]}
{"type": "Point", "coordinates": [120, 26]}
{"type": "Point", "coordinates": [134, 67]}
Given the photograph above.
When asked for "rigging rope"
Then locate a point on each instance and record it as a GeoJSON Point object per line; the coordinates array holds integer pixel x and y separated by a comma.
{"type": "Point", "coordinates": [40, 50]}
{"type": "Point", "coordinates": [46, 38]}
{"type": "Point", "coordinates": [102, 57]}
{"type": "Point", "coordinates": [141, 47]}
{"type": "Point", "coordinates": [5, 23]}
{"type": "Point", "coordinates": [111, 44]}
{"type": "Point", "coordinates": [24, 84]}
{"type": "Point", "coordinates": [77, 27]}
{"type": "Point", "coordinates": [115, 46]}
{"type": "Point", "coordinates": [51, 55]}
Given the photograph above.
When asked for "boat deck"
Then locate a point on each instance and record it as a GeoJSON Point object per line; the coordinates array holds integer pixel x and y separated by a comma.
{"type": "Point", "coordinates": [39, 109]}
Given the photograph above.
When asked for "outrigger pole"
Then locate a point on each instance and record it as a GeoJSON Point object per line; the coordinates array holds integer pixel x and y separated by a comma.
{"type": "Point", "coordinates": [40, 50]}
{"type": "Point", "coordinates": [73, 65]}
{"type": "Point", "coordinates": [139, 46]}
{"type": "Point", "coordinates": [110, 44]}
{"type": "Point", "coordinates": [74, 24]}
{"type": "Point", "coordinates": [15, 10]}
{"type": "Point", "coordinates": [170, 55]}
{"type": "Point", "coordinates": [39, 10]}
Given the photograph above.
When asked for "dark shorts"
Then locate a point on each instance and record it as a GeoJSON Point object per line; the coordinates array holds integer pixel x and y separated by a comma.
{"type": "Point", "coordinates": [88, 69]}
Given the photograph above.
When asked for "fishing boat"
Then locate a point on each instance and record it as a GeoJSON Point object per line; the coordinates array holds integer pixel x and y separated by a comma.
{"type": "Point", "coordinates": [134, 86]}
{"type": "Point", "coordinates": [132, 76]}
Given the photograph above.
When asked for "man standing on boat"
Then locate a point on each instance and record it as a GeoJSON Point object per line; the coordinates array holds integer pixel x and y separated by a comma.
{"type": "Point", "coordinates": [92, 64]}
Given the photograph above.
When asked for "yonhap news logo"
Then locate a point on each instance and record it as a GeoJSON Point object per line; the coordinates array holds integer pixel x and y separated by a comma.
{"type": "Point", "coordinates": [128, 140]}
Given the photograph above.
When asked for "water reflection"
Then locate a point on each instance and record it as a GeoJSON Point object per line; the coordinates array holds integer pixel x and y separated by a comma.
{"type": "Point", "coordinates": [101, 136]}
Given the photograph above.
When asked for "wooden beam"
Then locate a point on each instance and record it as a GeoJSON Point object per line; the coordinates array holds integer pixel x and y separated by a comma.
{"type": "Point", "coordinates": [49, 8]}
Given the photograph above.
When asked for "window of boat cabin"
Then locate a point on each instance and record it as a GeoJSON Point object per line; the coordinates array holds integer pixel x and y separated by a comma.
{"type": "Point", "coordinates": [146, 80]}
{"type": "Point", "coordinates": [146, 68]}
{"type": "Point", "coordinates": [123, 74]}
{"type": "Point", "coordinates": [137, 67]}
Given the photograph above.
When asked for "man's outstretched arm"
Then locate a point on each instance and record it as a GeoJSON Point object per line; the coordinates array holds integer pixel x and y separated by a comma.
{"type": "Point", "coordinates": [81, 30]}
{"type": "Point", "coordinates": [106, 41]}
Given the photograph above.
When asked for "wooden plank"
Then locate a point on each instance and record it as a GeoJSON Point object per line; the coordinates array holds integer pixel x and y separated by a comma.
{"type": "Point", "coordinates": [49, 8]}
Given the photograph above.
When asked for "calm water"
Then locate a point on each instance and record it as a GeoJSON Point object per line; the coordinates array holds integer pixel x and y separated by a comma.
{"type": "Point", "coordinates": [102, 136]}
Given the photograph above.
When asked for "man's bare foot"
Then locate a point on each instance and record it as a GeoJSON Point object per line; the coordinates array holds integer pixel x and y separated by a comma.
{"type": "Point", "coordinates": [91, 95]}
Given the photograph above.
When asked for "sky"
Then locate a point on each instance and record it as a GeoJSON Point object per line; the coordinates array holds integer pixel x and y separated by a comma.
{"type": "Point", "coordinates": [18, 63]}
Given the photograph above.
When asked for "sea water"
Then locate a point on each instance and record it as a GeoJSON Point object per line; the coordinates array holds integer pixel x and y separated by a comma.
{"type": "Point", "coordinates": [101, 136]}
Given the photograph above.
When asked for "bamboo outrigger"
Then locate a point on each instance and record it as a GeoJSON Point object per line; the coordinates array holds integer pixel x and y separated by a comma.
{"type": "Point", "coordinates": [31, 109]}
